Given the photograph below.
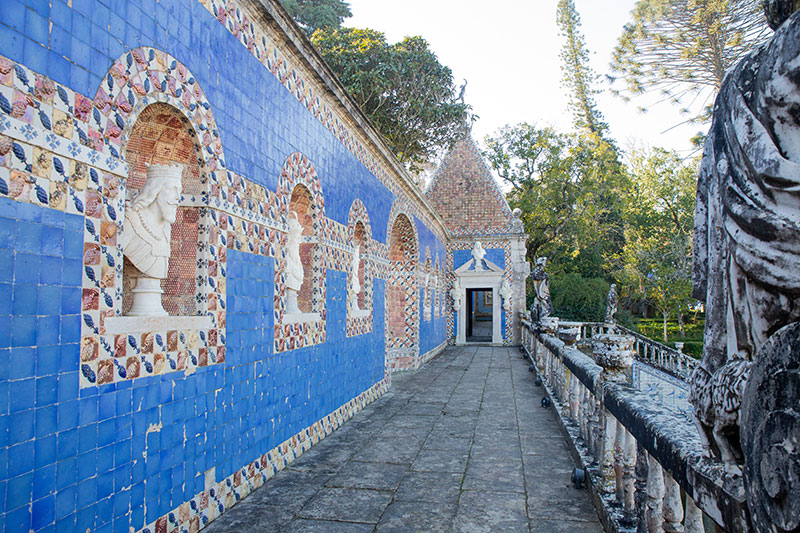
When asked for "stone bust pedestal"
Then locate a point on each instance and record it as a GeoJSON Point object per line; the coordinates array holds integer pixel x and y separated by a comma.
{"type": "Point", "coordinates": [146, 236]}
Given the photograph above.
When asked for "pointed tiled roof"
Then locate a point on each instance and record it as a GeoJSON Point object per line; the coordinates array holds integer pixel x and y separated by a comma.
{"type": "Point", "coordinates": [466, 195]}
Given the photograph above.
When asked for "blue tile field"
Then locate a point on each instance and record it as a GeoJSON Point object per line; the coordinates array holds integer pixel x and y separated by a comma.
{"type": "Point", "coordinates": [163, 430]}
{"type": "Point", "coordinates": [87, 445]}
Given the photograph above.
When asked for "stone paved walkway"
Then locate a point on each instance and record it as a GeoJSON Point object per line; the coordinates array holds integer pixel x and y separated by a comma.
{"type": "Point", "coordinates": [459, 445]}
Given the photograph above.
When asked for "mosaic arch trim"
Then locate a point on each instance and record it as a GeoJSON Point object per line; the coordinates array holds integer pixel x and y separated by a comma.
{"type": "Point", "coordinates": [507, 276]}
{"type": "Point", "coordinates": [359, 325]}
{"type": "Point", "coordinates": [220, 496]}
{"type": "Point", "coordinates": [262, 42]}
{"type": "Point", "coordinates": [497, 194]}
{"type": "Point", "coordinates": [62, 150]}
{"type": "Point", "coordinates": [403, 352]}
{"type": "Point", "coordinates": [298, 170]}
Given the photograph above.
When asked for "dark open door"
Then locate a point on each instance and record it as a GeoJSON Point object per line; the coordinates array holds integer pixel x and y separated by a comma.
{"type": "Point", "coordinates": [470, 311]}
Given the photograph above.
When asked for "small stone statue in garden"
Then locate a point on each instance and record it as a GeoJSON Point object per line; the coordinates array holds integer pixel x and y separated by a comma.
{"type": "Point", "coordinates": [542, 305]}
{"type": "Point", "coordinates": [747, 270]}
{"type": "Point", "coordinates": [146, 235]}
{"type": "Point", "coordinates": [294, 265]}
{"type": "Point", "coordinates": [478, 253]}
{"type": "Point", "coordinates": [611, 303]}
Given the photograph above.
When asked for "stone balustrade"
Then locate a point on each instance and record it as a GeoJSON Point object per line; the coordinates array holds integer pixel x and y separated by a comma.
{"type": "Point", "coordinates": [648, 351]}
{"type": "Point", "coordinates": [643, 459]}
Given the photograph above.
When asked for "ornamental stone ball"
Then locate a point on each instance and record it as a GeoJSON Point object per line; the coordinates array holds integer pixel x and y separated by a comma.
{"type": "Point", "coordinates": [146, 233]}
{"type": "Point", "coordinates": [517, 226]}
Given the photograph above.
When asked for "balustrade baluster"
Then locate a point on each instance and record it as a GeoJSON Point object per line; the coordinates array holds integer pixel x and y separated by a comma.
{"type": "Point", "coordinates": [655, 495]}
{"type": "Point", "coordinates": [628, 476]}
{"type": "Point", "coordinates": [673, 508]}
{"type": "Point", "coordinates": [640, 495]}
{"type": "Point", "coordinates": [693, 523]}
{"type": "Point", "coordinates": [619, 461]}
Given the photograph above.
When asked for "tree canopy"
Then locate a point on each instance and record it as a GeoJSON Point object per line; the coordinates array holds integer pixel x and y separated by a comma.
{"type": "Point", "coordinates": [682, 48]}
{"type": "Point", "coordinates": [406, 93]}
{"type": "Point", "coordinates": [578, 76]}
{"type": "Point", "coordinates": [655, 264]}
{"type": "Point", "coordinates": [312, 15]}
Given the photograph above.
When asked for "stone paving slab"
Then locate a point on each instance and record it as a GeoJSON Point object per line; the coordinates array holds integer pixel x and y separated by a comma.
{"type": "Point", "coordinates": [461, 445]}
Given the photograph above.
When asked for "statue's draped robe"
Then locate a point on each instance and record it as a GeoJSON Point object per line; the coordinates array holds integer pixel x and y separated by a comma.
{"type": "Point", "coordinates": [747, 217]}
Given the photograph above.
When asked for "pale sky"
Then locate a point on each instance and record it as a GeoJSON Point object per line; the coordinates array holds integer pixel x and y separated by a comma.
{"type": "Point", "coordinates": [508, 50]}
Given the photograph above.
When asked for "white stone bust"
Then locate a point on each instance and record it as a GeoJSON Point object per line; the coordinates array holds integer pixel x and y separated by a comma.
{"type": "Point", "coordinates": [294, 265]}
{"type": "Point", "coordinates": [478, 253]}
{"type": "Point", "coordinates": [149, 217]}
{"type": "Point", "coordinates": [356, 283]}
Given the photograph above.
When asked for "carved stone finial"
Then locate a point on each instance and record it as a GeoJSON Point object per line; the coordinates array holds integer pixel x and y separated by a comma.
{"type": "Point", "coordinates": [146, 234]}
{"type": "Point", "coordinates": [294, 265]}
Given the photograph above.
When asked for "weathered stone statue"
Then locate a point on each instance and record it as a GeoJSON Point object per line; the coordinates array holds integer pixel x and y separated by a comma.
{"type": "Point", "coordinates": [517, 226]}
{"type": "Point", "coordinates": [506, 292]}
{"type": "Point", "coordinates": [455, 294]}
{"type": "Point", "coordinates": [478, 253]}
{"type": "Point", "coordinates": [611, 303]}
{"type": "Point", "coordinates": [356, 283]}
{"type": "Point", "coordinates": [747, 270]}
{"type": "Point", "coordinates": [146, 236]}
{"type": "Point", "coordinates": [542, 305]}
{"type": "Point", "coordinates": [294, 265]}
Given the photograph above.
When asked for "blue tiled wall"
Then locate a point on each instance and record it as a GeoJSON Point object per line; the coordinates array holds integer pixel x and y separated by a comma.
{"type": "Point", "coordinates": [495, 255]}
{"type": "Point", "coordinates": [75, 459]}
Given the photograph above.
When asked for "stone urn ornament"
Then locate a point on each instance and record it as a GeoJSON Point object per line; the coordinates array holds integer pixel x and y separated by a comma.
{"type": "Point", "coordinates": [146, 234]}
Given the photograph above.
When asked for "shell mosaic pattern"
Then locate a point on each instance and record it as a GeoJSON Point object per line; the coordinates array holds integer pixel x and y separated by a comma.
{"type": "Point", "coordinates": [507, 275]}
{"type": "Point", "coordinates": [204, 507]}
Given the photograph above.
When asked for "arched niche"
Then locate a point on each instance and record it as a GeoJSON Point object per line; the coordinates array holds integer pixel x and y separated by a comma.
{"type": "Point", "coordinates": [160, 135]}
{"type": "Point", "coordinates": [402, 317]}
{"type": "Point", "coordinates": [359, 303]}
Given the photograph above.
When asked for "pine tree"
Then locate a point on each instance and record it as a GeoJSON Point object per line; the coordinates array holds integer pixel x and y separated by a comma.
{"type": "Point", "coordinates": [578, 75]}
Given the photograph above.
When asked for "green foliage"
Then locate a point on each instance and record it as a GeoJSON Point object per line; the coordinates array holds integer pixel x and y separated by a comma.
{"type": "Point", "coordinates": [312, 15]}
{"type": "Point", "coordinates": [655, 263]}
{"type": "Point", "coordinates": [403, 89]}
{"type": "Point", "coordinates": [682, 48]}
{"type": "Point", "coordinates": [568, 187]}
{"type": "Point", "coordinates": [578, 298]}
{"type": "Point", "coordinates": [578, 75]}
{"type": "Point", "coordinates": [693, 330]}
